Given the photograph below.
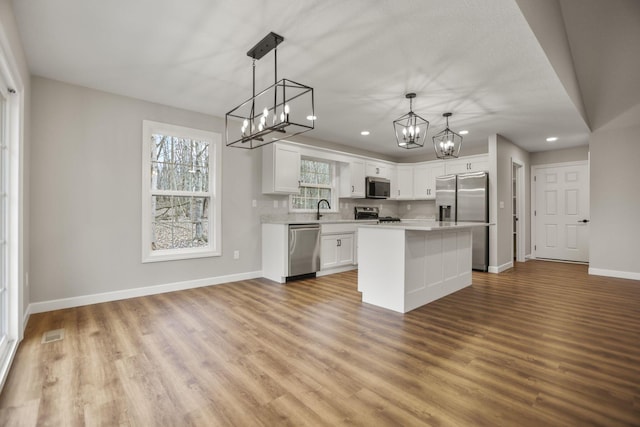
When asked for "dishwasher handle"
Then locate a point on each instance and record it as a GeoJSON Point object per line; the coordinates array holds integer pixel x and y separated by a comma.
{"type": "Point", "coordinates": [304, 226]}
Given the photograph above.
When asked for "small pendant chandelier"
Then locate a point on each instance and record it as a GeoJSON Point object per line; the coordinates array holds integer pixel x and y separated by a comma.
{"type": "Point", "coordinates": [447, 143]}
{"type": "Point", "coordinates": [282, 110]}
{"type": "Point", "coordinates": [411, 129]}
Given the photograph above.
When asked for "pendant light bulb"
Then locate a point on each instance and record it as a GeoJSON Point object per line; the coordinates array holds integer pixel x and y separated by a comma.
{"type": "Point", "coordinates": [286, 108]}
{"type": "Point", "coordinates": [265, 112]}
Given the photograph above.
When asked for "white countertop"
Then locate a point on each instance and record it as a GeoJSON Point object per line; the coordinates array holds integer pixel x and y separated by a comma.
{"type": "Point", "coordinates": [425, 225]}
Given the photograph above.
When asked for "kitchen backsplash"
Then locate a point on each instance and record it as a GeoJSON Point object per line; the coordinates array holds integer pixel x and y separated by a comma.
{"type": "Point", "coordinates": [408, 209]}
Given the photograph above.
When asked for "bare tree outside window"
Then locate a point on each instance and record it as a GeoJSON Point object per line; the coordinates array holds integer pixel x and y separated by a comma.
{"type": "Point", "coordinates": [179, 205]}
{"type": "Point", "coordinates": [179, 164]}
{"type": "Point", "coordinates": [316, 183]}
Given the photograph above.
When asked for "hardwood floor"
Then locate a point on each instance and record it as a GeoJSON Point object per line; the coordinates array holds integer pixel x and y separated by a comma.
{"type": "Point", "coordinates": [541, 344]}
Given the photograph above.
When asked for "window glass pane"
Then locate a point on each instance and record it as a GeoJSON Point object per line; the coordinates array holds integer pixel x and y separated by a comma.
{"type": "Point", "coordinates": [179, 164]}
{"type": "Point", "coordinates": [179, 222]}
{"type": "Point", "coordinates": [316, 182]}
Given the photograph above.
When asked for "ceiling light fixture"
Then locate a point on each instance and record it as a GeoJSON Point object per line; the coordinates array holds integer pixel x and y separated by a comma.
{"type": "Point", "coordinates": [552, 139]}
{"type": "Point", "coordinates": [280, 111]}
{"type": "Point", "coordinates": [365, 133]}
{"type": "Point", "coordinates": [463, 132]}
{"type": "Point", "coordinates": [411, 129]}
{"type": "Point", "coordinates": [447, 143]}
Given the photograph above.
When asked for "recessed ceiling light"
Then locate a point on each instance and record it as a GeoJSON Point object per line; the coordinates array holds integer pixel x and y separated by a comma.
{"type": "Point", "coordinates": [312, 118]}
{"type": "Point", "coordinates": [364, 133]}
{"type": "Point", "coordinates": [463, 132]}
{"type": "Point", "coordinates": [552, 138]}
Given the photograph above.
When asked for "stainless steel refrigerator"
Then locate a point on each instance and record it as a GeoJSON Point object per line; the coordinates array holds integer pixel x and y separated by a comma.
{"type": "Point", "coordinates": [465, 198]}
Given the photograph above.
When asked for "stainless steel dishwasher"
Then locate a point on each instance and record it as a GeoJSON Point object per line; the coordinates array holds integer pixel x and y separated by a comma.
{"type": "Point", "coordinates": [304, 249]}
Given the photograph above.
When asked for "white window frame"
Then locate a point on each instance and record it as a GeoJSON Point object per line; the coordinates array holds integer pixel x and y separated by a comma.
{"type": "Point", "coordinates": [334, 188]}
{"type": "Point", "coordinates": [214, 246]}
{"type": "Point", "coordinates": [15, 275]}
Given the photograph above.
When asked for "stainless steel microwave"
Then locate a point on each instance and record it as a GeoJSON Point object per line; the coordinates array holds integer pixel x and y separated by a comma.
{"type": "Point", "coordinates": [377, 188]}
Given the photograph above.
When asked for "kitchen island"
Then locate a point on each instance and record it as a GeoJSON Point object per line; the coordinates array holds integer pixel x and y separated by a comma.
{"type": "Point", "coordinates": [402, 266]}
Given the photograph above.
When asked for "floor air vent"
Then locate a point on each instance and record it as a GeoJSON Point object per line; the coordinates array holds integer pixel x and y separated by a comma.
{"type": "Point", "coordinates": [51, 336]}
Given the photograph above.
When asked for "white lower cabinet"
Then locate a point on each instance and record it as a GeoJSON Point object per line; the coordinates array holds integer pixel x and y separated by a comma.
{"type": "Point", "coordinates": [337, 250]}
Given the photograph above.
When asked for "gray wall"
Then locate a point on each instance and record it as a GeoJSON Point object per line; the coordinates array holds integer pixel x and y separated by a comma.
{"type": "Point", "coordinates": [86, 189]}
{"type": "Point", "coordinates": [615, 200]}
{"type": "Point", "coordinates": [560, 156]}
{"type": "Point", "coordinates": [501, 237]}
{"type": "Point", "coordinates": [546, 21]}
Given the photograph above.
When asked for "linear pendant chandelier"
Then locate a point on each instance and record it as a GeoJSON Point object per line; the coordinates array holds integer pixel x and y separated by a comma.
{"type": "Point", "coordinates": [282, 110]}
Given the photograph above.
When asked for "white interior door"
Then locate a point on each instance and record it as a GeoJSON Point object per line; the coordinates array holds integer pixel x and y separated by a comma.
{"type": "Point", "coordinates": [562, 212]}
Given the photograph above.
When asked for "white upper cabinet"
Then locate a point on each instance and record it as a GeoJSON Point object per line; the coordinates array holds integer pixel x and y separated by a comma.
{"type": "Point", "coordinates": [467, 164]}
{"type": "Point", "coordinates": [352, 179]}
{"type": "Point", "coordinates": [280, 169]}
{"type": "Point", "coordinates": [424, 179]}
{"type": "Point", "coordinates": [404, 179]}
{"type": "Point", "coordinates": [380, 170]}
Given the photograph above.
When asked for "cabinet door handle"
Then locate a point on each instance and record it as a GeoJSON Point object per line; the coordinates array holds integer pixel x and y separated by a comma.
{"type": "Point", "coordinates": [377, 171]}
{"type": "Point", "coordinates": [339, 242]}
{"type": "Point", "coordinates": [353, 189]}
{"type": "Point", "coordinates": [398, 192]}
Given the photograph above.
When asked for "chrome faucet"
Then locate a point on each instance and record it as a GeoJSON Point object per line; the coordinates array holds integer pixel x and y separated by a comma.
{"type": "Point", "coordinates": [320, 201]}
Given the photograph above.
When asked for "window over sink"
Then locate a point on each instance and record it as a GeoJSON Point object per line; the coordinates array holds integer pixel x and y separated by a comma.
{"type": "Point", "coordinates": [317, 182]}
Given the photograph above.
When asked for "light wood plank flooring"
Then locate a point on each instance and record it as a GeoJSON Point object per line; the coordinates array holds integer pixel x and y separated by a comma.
{"type": "Point", "coordinates": [543, 344]}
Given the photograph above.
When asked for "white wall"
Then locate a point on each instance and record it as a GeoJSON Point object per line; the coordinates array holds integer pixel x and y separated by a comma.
{"type": "Point", "coordinates": [614, 245]}
{"type": "Point", "coordinates": [85, 199]}
{"type": "Point", "coordinates": [560, 156]}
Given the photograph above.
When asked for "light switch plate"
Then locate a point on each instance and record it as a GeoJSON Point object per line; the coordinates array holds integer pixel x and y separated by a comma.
{"type": "Point", "coordinates": [501, 205]}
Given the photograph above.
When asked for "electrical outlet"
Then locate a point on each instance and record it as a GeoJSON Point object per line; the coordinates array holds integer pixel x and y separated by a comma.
{"type": "Point", "coordinates": [236, 254]}
{"type": "Point", "coordinates": [275, 204]}
{"type": "Point", "coordinates": [254, 203]}
{"type": "Point", "coordinates": [501, 205]}
{"type": "Point", "coordinates": [408, 207]}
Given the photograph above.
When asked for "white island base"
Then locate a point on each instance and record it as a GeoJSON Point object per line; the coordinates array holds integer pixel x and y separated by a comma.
{"type": "Point", "coordinates": [402, 267]}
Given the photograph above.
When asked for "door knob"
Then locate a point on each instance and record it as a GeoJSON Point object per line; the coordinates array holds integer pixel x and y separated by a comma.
{"type": "Point", "coordinates": [584, 221]}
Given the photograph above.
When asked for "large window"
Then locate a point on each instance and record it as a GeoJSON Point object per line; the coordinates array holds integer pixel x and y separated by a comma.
{"type": "Point", "coordinates": [181, 192]}
{"type": "Point", "coordinates": [317, 182]}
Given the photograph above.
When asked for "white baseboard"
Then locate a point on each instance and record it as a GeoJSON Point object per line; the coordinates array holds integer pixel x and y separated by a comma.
{"type": "Point", "coordinates": [500, 268]}
{"type": "Point", "coordinates": [614, 273]}
{"type": "Point", "coordinates": [336, 270]}
{"type": "Point", "coordinates": [40, 307]}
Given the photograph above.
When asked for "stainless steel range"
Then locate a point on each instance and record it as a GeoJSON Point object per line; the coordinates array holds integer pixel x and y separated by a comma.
{"type": "Point", "coordinates": [372, 213]}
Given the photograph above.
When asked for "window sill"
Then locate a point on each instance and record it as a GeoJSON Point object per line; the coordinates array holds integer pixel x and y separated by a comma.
{"type": "Point", "coordinates": [175, 255]}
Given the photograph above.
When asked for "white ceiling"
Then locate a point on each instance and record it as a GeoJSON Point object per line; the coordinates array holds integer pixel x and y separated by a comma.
{"type": "Point", "coordinates": [476, 58]}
